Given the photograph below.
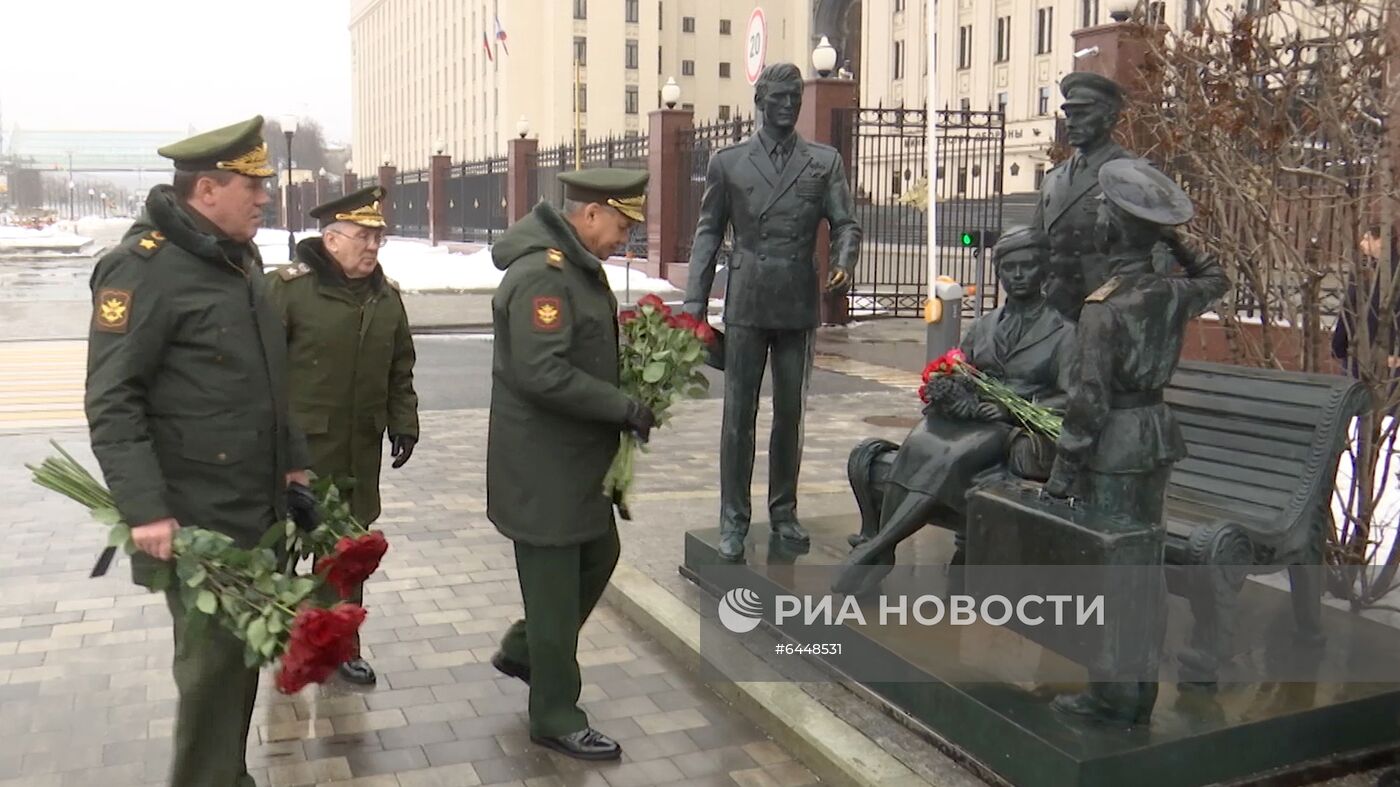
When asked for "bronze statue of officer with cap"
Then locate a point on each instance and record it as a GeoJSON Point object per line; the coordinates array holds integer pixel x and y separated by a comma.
{"type": "Point", "coordinates": [351, 357]}
{"type": "Point", "coordinates": [1119, 439]}
{"type": "Point", "coordinates": [187, 405]}
{"type": "Point", "coordinates": [1068, 205]}
{"type": "Point", "coordinates": [557, 411]}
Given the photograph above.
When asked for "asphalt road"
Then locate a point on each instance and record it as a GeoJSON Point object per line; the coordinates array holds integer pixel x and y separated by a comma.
{"type": "Point", "coordinates": [453, 372]}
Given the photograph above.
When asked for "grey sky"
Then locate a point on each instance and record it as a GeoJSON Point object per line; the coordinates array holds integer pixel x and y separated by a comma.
{"type": "Point", "coordinates": [171, 64]}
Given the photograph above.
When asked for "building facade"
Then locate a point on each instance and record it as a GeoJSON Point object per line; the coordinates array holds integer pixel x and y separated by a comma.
{"type": "Point", "coordinates": [435, 72]}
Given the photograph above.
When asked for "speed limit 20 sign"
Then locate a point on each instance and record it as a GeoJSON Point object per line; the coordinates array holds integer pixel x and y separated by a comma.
{"type": "Point", "coordinates": [755, 46]}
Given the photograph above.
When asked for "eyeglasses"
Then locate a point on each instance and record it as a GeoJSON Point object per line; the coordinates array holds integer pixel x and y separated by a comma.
{"type": "Point", "coordinates": [376, 239]}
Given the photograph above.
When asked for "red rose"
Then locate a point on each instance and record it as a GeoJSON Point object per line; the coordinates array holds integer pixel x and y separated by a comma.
{"type": "Point", "coordinates": [685, 322]}
{"type": "Point", "coordinates": [627, 315]}
{"type": "Point", "coordinates": [931, 370]}
{"type": "Point", "coordinates": [923, 393]}
{"type": "Point", "coordinates": [321, 640]}
{"type": "Point", "coordinates": [705, 333]}
{"type": "Point", "coordinates": [653, 300]}
{"type": "Point", "coordinates": [354, 560]}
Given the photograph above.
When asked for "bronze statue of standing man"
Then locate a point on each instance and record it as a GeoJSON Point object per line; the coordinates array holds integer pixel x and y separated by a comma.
{"type": "Point", "coordinates": [773, 189]}
{"type": "Point", "coordinates": [1069, 204]}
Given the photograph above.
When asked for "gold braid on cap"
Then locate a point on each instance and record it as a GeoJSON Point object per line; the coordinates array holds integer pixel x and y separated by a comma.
{"type": "Point", "coordinates": [365, 215]}
{"type": "Point", "coordinates": [254, 163]}
{"type": "Point", "coordinates": [632, 207]}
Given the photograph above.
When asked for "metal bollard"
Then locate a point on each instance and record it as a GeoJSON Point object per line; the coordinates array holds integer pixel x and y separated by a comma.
{"type": "Point", "coordinates": [943, 316]}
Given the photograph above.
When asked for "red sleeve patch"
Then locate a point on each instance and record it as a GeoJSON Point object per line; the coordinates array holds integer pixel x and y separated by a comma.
{"type": "Point", "coordinates": [547, 313]}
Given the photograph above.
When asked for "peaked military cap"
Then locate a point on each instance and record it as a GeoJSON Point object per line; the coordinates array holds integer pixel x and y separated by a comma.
{"type": "Point", "coordinates": [1085, 87]}
{"type": "Point", "coordinates": [1141, 190]}
{"type": "Point", "coordinates": [623, 189]}
{"type": "Point", "coordinates": [237, 148]}
{"type": "Point", "coordinates": [359, 207]}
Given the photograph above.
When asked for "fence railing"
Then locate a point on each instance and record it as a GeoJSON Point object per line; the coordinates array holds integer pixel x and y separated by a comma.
{"type": "Point", "coordinates": [696, 148]}
{"type": "Point", "coordinates": [409, 199]}
{"type": "Point", "coordinates": [476, 200]}
{"type": "Point", "coordinates": [622, 152]}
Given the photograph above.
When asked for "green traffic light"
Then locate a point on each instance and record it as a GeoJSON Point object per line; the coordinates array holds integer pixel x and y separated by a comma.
{"type": "Point", "coordinates": [967, 239]}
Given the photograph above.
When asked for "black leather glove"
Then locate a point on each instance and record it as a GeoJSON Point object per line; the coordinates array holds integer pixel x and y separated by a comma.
{"type": "Point", "coordinates": [402, 448]}
{"type": "Point", "coordinates": [303, 506]}
{"type": "Point", "coordinates": [639, 420]}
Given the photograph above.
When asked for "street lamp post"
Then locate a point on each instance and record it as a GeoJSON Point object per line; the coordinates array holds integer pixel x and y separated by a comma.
{"type": "Point", "coordinates": [824, 57]}
{"type": "Point", "coordinates": [92, 195]}
{"type": "Point", "coordinates": [103, 197]}
{"type": "Point", "coordinates": [289, 128]}
{"type": "Point", "coordinates": [71, 188]}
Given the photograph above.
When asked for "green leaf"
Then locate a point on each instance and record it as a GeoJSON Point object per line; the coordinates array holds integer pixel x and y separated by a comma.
{"type": "Point", "coordinates": [207, 602]}
{"type": "Point", "coordinates": [257, 633]}
{"type": "Point", "coordinates": [118, 536]}
{"type": "Point", "coordinates": [274, 624]}
{"type": "Point", "coordinates": [268, 647]}
{"type": "Point", "coordinates": [265, 584]}
{"type": "Point", "coordinates": [654, 372]}
{"type": "Point", "coordinates": [197, 578]}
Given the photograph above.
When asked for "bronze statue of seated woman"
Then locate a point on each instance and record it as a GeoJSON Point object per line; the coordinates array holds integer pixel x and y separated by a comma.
{"type": "Point", "coordinates": [1026, 344]}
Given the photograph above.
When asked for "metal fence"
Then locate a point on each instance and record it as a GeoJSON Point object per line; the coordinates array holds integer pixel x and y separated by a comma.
{"type": "Point", "coordinates": [623, 152]}
{"type": "Point", "coordinates": [409, 203]}
{"type": "Point", "coordinates": [476, 200]}
{"type": "Point", "coordinates": [696, 147]}
{"type": "Point", "coordinates": [886, 154]}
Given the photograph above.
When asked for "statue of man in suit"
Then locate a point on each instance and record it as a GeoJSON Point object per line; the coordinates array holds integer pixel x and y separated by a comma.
{"type": "Point", "coordinates": [773, 190]}
{"type": "Point", "coordinates": [1069, 197]}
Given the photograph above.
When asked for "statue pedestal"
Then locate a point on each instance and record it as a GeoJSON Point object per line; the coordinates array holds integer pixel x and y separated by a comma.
{"type": "Point", "coordinates": [983, 692]}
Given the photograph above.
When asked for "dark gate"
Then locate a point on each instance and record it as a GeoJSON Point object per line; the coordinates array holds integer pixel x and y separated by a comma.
{"type": "Point", "coordinates": [476, 200]}
{"type": "Point", "coordinates": [623, 152]}
{"type": "Point", "coordinates": [886, 155]}
{"type": "Point", "coordinates": [410, 203]}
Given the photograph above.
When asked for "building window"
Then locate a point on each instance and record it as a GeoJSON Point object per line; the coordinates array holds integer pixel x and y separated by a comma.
{"type": "Point", "coordinates": [894, 185]}
{"type": "Point", "coordinates": [898, 6]}
{"type": "Point", "coordinates": [723, 70]}
{"type": "Point", "coordinates": [1088, 13]}
{"type": "Point", "coordinates": [1002, 100]}
{"type": "Point", "coordinates": [687, 68]}
{"type": "Point", "coordinates": [965, 46]}
{"type": "Point", "coordinates": [1039, 176]}
{"type": "Point", "coordinates": [1193, 10]}
{"type": "Point", "coordinates": [1157, 13]}
{"type": "Point", "coordinates": [632, 10]}
{"type": "Point", "coordinates": [631, 55]}
{"type": "Point", "coordinates": [660, 15]}
{"type": "Point", "coordinates": [1042, 106]}
{"type": "Point", "coordinates": [658, 60]}
{"type": "Point", "coordinates": [962, 180]}
{"type": "Point", "coordinates": [581, 99]}
{"type": "Point", "coordinates": [1003, 39]}
{"type": "Point", "coordinates": [899, 60]}
{"type": "Point", "coordinates": [581, 50]}
{"type": "Point", "coordinates": [630, 100]}
{"type": "Point", "coordinates": [726, 27]}
{"type": "Point", "coordinates": [688, 106]}
{"type": "Point", "coordinates": [687, 24]}
{"type": "Point", "coordinates": [1044, 31]}
{"type": "Point", "coordinates": [580, 9]}
{"type": "Point", "coordinates": [723, 111]}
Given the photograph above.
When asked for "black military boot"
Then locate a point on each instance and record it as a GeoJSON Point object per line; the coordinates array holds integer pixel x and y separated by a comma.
{"type": "Point", "coordinates": [358, 671]}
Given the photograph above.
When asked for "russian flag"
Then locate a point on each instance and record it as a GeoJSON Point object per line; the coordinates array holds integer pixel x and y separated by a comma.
{"type": "Point", "coordinates": [501, 35]}
{"type": "Point", "coordinates": [486, 44]}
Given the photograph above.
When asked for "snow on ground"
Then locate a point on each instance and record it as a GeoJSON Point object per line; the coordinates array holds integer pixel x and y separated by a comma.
{"type": "Point", "coordinates": [52, 238]}
{"type": "Point", "coordinates": [418, 266]}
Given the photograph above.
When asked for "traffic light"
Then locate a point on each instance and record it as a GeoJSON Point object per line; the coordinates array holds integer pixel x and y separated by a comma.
{"type": "Point", "coordinates": [979, 239]}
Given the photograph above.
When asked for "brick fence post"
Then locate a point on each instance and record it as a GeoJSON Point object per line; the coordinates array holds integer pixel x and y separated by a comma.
{"type": "Point", "coordinates": [821, 98]}
{"type": "Point", "coordinates": [438, 168]}
{"type": "Point", "coordinates": [349, 183]}
{"type": "Point", "coordinates": [520, 154]}
{"type": "Point", "coordinates": [387, 175]}
{"type": "Point", "coordinates": [668, 166]}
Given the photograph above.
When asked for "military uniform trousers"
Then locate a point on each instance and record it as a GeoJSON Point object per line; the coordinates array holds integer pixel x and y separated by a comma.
{"type": "Point", "coordinates": [746, 352]}
{"type": "Point", "coordinates": [215, 708]}
{"type": "Point", "coordinates": [560, 586]}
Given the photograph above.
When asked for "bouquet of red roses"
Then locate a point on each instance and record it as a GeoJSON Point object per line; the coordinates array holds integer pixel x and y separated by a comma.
{"type": "Point", "coordinates": [243, 590]}
{"type": "Point", "coordinates": [346, 552]}
{"type": "Point", "coordinates": [659, 365]}
{"type": "Point", "coordinates": [950, 376]}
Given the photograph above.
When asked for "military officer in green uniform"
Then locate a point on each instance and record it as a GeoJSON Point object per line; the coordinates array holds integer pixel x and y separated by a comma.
{"type": "Point", "coordinates": [556, 415]}
{"type": "Point", "coordinates": [351, 357]}
{"type": "Point", "coordinates": [1119, 439]}
{"type": "Point", "coordinates": [187, 404]}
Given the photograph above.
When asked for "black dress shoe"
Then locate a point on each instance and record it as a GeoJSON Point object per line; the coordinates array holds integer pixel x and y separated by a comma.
{"type": "Point", "coordinates": [358, 671]}
{"type": "Point", "coordinates": [731, 547]}
{"type": "Point", "coordinates": [513, 669]}
{"type": "Point", "coordinates": [586, 744]}
{"type": "Point", "coordinates": [792, 531]}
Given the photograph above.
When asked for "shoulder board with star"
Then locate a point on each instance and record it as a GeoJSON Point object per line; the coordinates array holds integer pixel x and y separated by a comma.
{"type": "Point", "coordinates": [294, 271]}
{"type": "Point", "coordinates": [554, 258]}
{"type": "Point", "coordinates": [149, 244]}
{"type": "Point", "coordinates": [1101, 294]}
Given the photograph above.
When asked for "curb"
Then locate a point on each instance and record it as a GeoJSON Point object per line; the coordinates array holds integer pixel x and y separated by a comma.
{"type": "Point", "coordinates": [835, 751]}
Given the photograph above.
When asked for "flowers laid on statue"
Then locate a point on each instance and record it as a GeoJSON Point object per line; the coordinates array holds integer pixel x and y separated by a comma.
{"type": "Point", "coordinates": [253, 593]}
{"type": "Point", "coordinates": [659, 365]}
{"type": "Point", "coordinates": [950, 378]}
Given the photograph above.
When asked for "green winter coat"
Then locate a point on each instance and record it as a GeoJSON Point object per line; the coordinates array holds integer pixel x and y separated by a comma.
{"type": "Point", "coordinates": [187, 384]}
{"type": "Point", "coordinates": [556, 409]}
{"type": "Point", "coordinates": [352, 369]}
